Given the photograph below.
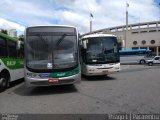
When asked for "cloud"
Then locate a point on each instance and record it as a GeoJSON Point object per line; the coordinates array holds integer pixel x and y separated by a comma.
{"type": "Point", "coordinates": [10, 25]}
{"type": "Point", "coordinates": [106, 13]}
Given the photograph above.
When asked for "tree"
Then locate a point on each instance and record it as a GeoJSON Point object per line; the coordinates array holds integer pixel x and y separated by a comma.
{"type": "Point", "coordinates": [4, 31]}
{"type": "Point", "coordinates": [21, 38]}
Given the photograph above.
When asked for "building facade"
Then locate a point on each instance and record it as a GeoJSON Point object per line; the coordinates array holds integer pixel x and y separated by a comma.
{"type": "Point", "coordinates": [136, 36]}
{"type": "Point", "coordinates": [12, 32]}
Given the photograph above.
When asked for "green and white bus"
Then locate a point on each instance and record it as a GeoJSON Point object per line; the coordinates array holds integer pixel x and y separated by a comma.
{"type": "Point", "coordinates": [11, 60]}
{"type": "Point", "coordinates": [51, 56]}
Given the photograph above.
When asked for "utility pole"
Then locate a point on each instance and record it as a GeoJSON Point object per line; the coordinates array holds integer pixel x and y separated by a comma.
{"type": "Point", "coordinates": [127, 5]}
{"type": "Point", "coordinates": [91, 16]}
{"type": "Point", "coordinates": [159, 12]}
{"type": "Point", "coordinates": [90, 25]}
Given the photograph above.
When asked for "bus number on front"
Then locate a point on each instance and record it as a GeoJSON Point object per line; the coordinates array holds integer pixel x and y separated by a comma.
{"type": "Point", "coordinates": [11, 63]}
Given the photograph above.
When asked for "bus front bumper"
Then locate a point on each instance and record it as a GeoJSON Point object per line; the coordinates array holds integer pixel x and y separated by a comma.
{"type": "Point", "coordinates": [30, 82]}
{"type": "Point", "coordinates": [101, 72]}
{"type": "Point", "coordinates": [94, 70]}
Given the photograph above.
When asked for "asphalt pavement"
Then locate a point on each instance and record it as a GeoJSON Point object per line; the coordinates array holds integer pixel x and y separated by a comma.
{"type": "Point", "coordinates": [135, 89]}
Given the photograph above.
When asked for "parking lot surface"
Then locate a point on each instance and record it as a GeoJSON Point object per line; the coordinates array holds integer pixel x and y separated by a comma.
{"type": "Point", "coordinates": [135, 89]}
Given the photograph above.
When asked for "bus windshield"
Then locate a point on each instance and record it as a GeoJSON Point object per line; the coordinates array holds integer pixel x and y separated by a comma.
{"type": "Point", "coordinates": [101, 50]}
{"type": "Point", "coordinates": [51, 52]}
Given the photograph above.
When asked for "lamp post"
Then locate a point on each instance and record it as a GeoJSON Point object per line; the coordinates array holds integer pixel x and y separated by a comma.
{"type": "Point", "coordinates": [127, 5]}
{"type": "Point", "coordinates": [91, 16]}
{"type": "Point", "coordinates": [159, 12]}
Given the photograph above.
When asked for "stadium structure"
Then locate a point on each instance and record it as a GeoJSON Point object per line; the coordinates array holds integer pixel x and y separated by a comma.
{"type": "Point", "coordinates": [144, 35]}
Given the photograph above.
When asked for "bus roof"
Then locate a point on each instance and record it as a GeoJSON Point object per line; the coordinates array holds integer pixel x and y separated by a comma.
{"type": "Point", "coordinates": [58, 27]}
{"type": "Point", "coordinates": [8, 37]}
{"type": "Point", "coordinates": [137, 50]}
{"type": "Point", "coordinates": [98, 35]}
{"type": "Point", "coordinates": [52, 26]}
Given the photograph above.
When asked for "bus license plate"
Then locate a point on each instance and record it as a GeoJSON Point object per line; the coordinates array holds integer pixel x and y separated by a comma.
{"type": "Point", "coordinates": [105, 72]}
{"type": "Point", "coordinates": [53, 80]}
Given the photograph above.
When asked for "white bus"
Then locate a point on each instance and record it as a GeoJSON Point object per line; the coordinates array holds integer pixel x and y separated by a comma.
{"type": "Point", "coordinates": [11, 60]}
{"type": "Point", "coordinates": [99, 54]}
{"type": "Point", "coordinates": [135, 56]}
{"type": "Point", "coordinates": [51, 56]}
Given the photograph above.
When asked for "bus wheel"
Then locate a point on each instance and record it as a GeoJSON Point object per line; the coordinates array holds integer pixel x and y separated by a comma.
{"type": "Point", "coordinates": [142, 62]}
{"type": "Point", "coordinates": [3, 83]}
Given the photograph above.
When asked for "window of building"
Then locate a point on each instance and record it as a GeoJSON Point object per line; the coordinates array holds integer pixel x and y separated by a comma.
{"type": "Point", "coordinates": [143, 31]}
{"type": "Point", "coordinates": [134, 42]}
{"type": "Point", "coordinates": [143, 42]}
{"type": "Point", "coordinates": [134, 32]}
{"type": "Point", "coordinates": [152, 41]}
{"type": "Point", "coordinates": [135, 48]}
{"type": "Point", "coordinates": [143, 48]}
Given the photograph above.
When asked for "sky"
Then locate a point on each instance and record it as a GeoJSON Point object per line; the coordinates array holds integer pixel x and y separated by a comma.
{"type": "Point", "coordinates": [18, 14]}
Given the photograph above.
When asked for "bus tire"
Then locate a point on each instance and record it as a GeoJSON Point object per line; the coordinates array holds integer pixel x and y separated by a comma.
{"type": "Point", "coordinates": [3, 84]}
{"type": "Point", "coordinates": [4, 81]}
{"type": "Point", "coordinates": [142, 61]}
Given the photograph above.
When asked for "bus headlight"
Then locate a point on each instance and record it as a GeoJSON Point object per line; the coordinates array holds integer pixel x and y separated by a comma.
{"type": "Point", "coordinates": [32, 75]}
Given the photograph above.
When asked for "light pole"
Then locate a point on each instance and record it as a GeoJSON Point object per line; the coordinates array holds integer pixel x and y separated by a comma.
{"type": "Point", "coordinates": [159, 12]}
{"type": "Point", "coordinates": [91, 16]}
{"type": "Point", "coordinates": [127, 5]}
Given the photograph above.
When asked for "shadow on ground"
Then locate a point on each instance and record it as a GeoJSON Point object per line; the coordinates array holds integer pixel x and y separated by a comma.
{"type": "Point", "coordinates": [97, 78]}
{"type": "Point", "coordinates": [22, 90]}
{"type": "Point", "coordinates": [15, 83]}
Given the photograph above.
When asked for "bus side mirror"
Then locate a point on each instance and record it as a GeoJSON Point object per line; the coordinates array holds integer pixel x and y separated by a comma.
{"type": "Point", "coordinates": [18, 45]}
{"type": "Point", "coordinates": [84, 43]}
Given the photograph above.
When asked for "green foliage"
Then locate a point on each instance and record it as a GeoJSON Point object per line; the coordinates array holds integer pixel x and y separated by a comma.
{"type": "Point", "coordinates": [4, 31]}
{"type": "Point", "coordinates": [21, 37]}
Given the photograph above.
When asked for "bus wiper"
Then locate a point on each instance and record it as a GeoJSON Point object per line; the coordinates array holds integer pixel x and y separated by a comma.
{"type": "Point", "coordinates": [60, 40]}
{"type": "Point", "coordinates": [41, 38]}
{"type": "Point", "coordinates": [57, 45]}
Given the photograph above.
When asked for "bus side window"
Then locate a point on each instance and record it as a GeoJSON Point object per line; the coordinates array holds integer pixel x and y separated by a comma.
{"type": "Point", "coordinates": [12, 48]}
{"type": "Point", "coordinates": [3, 47]}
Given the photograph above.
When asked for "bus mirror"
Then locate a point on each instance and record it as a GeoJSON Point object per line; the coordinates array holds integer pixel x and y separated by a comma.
{"type": "Point", "coordinates": [85, 44]}
{"type": "Point", "coordinates": [18, 45]}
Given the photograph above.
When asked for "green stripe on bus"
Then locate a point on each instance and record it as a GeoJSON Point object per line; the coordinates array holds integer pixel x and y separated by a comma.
{"type": "Point", "coordinates": [65, 74]}
{"type": "Point", "coordinates": [13, 63]}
